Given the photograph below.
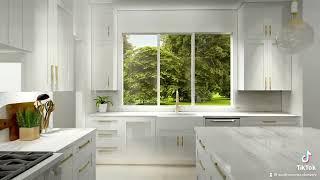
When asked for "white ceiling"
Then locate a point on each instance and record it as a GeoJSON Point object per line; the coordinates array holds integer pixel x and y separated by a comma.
{"type": "Point", "coordinates": [177, 4]}
{"type": "Point", "coordinates": [182, 4]}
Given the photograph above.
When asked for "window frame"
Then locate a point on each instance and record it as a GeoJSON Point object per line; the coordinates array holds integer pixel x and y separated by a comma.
{"type": "Point", "coordinates": [192, 106]}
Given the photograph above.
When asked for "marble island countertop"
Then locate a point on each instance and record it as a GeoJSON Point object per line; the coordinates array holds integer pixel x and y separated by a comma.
{"type": "Point", "coordinates": [252, 153]}
{"type": "Point", "coordinates": [53, 141]}
{"type": "Point", "coordinates": [204, 114]}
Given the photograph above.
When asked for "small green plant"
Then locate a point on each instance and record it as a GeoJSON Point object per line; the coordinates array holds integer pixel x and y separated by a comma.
{"type": "Point", "coordinates": [28, 118]}
{"type": "Point", "coordinates": [102, 100]}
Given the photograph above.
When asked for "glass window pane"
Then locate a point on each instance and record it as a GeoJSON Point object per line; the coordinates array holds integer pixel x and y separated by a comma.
{"type": "Point", "coordinates": [175, 68]}
{"type": "Point", "coordinates": [140, 69]}
{"type": "Point", "coordinates": [212, 74]}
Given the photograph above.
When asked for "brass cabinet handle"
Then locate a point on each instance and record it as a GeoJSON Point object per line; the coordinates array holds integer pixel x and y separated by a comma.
{"type": "Point", "coordinates": [269, 121]}
{"type": "Point", "coordinates": [84, 167]}
{"type": "Point", "coordinates": [52, 75]}
{"type": "Point", "coordinates": [84, 145]}
{"type": "Point", "coordinates": [57, 78]}
{"type": "Point", "coordinates": [202, 167]}
{"type": "Point", "coordinates": [202, 145]}
{"type": "Point", "coordinates": [108, 81]}
{"type": "Point", "coordinates": [182, 141]}
{"type": "Point", "coordinates": [265, 30]}
{"type": "Point", "coordinates": [270, 83]}
{"type": "Point", "coordinates": [270, 31]}
{"type": "Point", "coordinates": [107, 149]}
{"type": "Point", "coordinates": [178, 141]}
{"type": "Point", "coordinates": [67, 158]}
{"type": "Point", "coordinates": [220, 171]}
{"type": "Point", "coordinates": [265, 83]}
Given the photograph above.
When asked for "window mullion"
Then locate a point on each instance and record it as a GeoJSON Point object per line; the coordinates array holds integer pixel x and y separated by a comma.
{"type": "Point", "coordinates": [193, 54]}
{"type": "Point", "coordinates": [158, 70]}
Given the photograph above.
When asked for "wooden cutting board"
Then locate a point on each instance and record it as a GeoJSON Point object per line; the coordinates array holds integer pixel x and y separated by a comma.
{"type": "Point", "coordinates": [11, 118]}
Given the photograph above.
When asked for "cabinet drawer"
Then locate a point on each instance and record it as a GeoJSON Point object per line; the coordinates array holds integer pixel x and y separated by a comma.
{"type": "Point", "coordinates": [84, 168]}
{"type": "Point", "coordinates": [84, 146]}
{"type": "Point", "coordinates": [225, 122]}
{"type": "Point", "coordinates": [107, 134]}
{"type": "Point", "coordinates": [104, 123]}
{"type": "Point", "coordinates": [269, 121]}
{"type": "Point", "coordinates": [113, 142]}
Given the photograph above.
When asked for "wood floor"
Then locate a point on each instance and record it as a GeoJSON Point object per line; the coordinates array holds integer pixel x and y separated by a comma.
{"type": "Point", "coordinates": [123, 172]}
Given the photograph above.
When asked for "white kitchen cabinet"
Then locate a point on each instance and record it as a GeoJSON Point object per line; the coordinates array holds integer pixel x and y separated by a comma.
{"type": "Point", "coordinates": [261, 65]}
{"type": "Point", "coordinates": [104, 66]}
{"type": "Point", "coordinates": [4, 21]}
{"type": "Point", "coordinates": [50, 65]}
{"type": "Point", "coordinates": [175, 139]}
{"type": "Point", "coordinates": [15, 23]}
{"type": "Point", "coordinates": [140, 140]}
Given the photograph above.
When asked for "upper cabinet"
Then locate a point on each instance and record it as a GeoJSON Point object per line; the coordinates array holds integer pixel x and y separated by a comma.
{"type": "Point", "coordinates": [261, 65]}
{"type": "Point", "coordinates": [104, 66]}
{"type": "Point", "coordinates": [50, 66]}
{"type": "Point", "coordinates": [16, 25]}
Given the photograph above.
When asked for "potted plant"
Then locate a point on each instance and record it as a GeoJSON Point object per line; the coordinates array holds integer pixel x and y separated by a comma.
{"type": "Point", "coordinates": [102, 103]}
{"type": "Point", "coordinates": [29, 124]}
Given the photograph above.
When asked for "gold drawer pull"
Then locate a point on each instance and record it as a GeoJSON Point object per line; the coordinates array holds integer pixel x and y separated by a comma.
{"type": "Point", "coordinates": [67, 158]}
{"type": "Point", "coordinates": [269, 121]}
{"type": "Point", "coordinates": [182, 141]}
{"type": "Point", "coordinates": [202, 145]}
{"type": "Point", "coordinates": [107, 149]}
{"type": "Point", "coordinates": [178, 141]}
{"type": "Point", "coordinates": [105, 135]}
{"type": "Point", "coordinates": [84, 145]}
{"type": "Point", "coordinates": [220, 171]}
{"type": "Point", "coordinates": [84, 167]}
{"type": "Point", "coordinates": [202, 167]}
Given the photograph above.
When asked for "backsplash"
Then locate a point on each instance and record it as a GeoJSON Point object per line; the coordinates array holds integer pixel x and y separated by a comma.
{"type": "Point", "coordinates": [243, 101]}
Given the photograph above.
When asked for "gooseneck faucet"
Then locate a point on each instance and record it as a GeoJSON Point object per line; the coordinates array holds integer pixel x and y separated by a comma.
{"type": "Point", "coordinates": [177, 102]}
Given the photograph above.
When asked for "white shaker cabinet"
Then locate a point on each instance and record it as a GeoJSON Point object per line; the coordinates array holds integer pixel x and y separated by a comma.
{"type": "Point", "coordinates": [104, 74]}
{"type": "Point", "coordinates": [4, 21]}
{"type": "Point", "coordinates": [175, 139]}
{"type": "Point", "coordinates": [261, 65]}
{"type": "Point", "coordinates": [15, 23]}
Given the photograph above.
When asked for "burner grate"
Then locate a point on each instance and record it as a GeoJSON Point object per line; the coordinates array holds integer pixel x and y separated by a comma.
{"type": "Point", "coordinates": [14, 163]}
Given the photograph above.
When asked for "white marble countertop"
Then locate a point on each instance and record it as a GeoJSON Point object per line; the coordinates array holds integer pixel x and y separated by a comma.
{"type": "Point", "coordinates": [252, 153]}
{"type": "Point", "coordinates": [204, 114]}
{"type": "Point", "coordinates": [54, 141]}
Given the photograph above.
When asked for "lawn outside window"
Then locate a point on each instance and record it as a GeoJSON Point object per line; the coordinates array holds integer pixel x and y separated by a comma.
{"type": "Point", "coordinates": [198, 65]}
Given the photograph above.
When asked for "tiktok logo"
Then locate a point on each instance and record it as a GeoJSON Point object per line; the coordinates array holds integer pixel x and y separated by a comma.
{"type": "Point", "coordinates": [306, 157]}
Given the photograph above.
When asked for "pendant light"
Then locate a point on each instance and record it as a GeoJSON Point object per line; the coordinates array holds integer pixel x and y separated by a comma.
{"type": "Point", "coordinates": [297, 35]}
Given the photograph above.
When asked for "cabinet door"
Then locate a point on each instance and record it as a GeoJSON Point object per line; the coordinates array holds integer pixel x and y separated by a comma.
{"type": "Point", "coordinates": [65, 51]}
{"type": "Point", "coordinates": [15, 23]}
{"type": "Point", "coordinates": [28, 24]}
{"type": "Point", "coordinates": [102, 23]}
{"type": "Point", "coordinates": [279, 69]}
{"type": "Point", "coordinates": [84, 168]}
{"type": "Point", "coordinates": [102, 66]}
{"type": "Point", "coordinates": [4, 21]}
{"type": "Point", "coordinates": [254, 65]}
{"type": "Point", "coordinates": [140, 140]}
{"type": "Point", "coordinates": [66, 165]}
{"type": "Point", "coordinates": [251, 21]}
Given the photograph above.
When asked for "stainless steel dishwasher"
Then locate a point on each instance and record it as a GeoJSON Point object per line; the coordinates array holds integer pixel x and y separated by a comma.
{"type": "Point", "coordinates": [222, 121]}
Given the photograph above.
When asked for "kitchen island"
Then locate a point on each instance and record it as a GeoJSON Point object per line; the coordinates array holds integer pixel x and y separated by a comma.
{"type": "Point", "coordinates": [257, 153]}
{"type": "Point", "coordinates": [73, 149]}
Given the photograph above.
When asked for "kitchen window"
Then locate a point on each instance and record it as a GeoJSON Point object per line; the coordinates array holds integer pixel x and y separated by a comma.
{"type": "Point", "coordinates": [197, 65]}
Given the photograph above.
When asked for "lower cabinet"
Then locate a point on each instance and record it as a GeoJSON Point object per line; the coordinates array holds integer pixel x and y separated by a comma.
{"type": "Point", "coordinates": [175, 139]}
{"type": "Point", "coordinates": [79, 160]}
{"type": "Point", "coordinates": [145, 140]}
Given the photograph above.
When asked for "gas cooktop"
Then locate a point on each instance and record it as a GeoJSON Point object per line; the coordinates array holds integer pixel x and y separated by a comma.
{"type": "Point", "coordinates": [15, 163]}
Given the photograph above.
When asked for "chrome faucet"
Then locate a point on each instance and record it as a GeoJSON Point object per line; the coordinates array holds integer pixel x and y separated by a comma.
{"type": "Point", "coordinates": [177, 102]}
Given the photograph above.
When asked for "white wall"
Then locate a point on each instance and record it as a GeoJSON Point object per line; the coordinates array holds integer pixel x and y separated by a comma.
{"type": "Point", "coordinates": [311, 66]}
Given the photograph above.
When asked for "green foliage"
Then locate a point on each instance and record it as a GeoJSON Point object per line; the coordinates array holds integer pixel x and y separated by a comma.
{"type": "Point", "coordinates": [102, 100]}
{"type": "Point", "coordinates": [28, 118]}
{"type": "Point", "coordinates": [212, 70]}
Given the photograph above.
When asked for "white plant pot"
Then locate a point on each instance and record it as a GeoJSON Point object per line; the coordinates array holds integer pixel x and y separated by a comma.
{"type": "Point", "coordinates": [103, 107]}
